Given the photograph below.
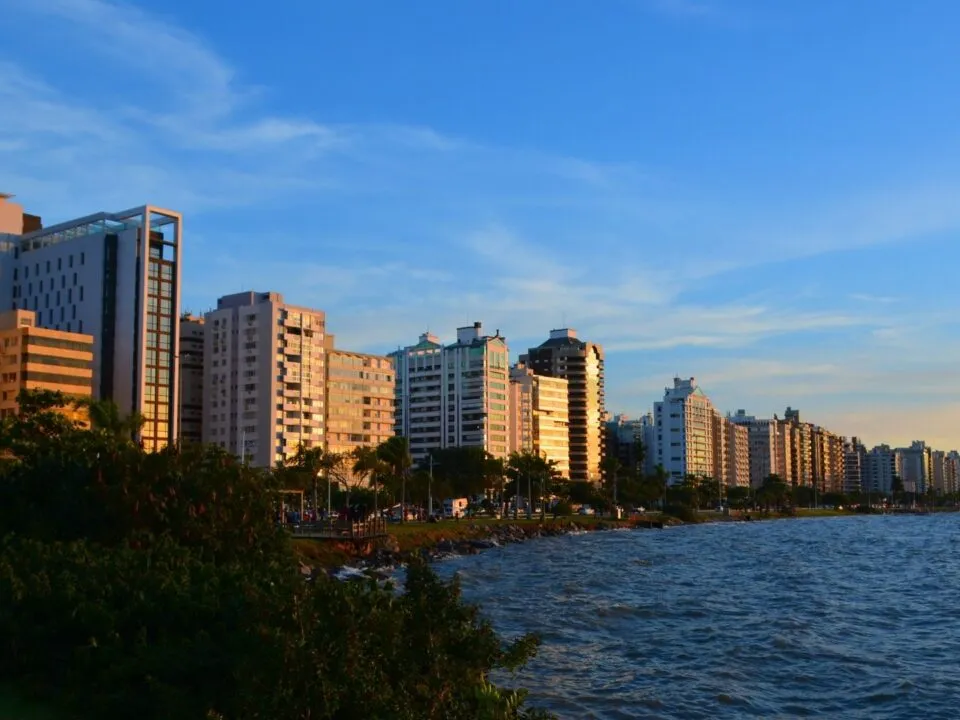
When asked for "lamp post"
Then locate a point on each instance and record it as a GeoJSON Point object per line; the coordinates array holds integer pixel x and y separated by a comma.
{"type": "Point", "coordinates": [430, 489]}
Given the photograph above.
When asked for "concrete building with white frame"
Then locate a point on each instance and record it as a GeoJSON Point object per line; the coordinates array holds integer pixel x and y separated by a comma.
{"type": "Point", "coordinates": [115, 276]}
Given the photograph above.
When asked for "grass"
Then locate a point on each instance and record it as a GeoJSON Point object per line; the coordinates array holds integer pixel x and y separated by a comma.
{"type": "Point", "coordinates": [12, 707]}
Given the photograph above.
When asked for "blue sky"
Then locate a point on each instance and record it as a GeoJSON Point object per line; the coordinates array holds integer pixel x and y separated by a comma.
{"type": "Point", "coordinates": [765, 196]}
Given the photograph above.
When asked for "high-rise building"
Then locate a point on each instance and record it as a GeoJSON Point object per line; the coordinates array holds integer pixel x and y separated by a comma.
{"type": "Point", "coordinates": [769, 447]}
{"type": "Point", "coordinates": [191, 378]}
{"type": "Point", "coordinates": [685, 431]}
{"type": "Point", "coordinates": [265, 367]}
{"type": "Point", "coordinates": [115, 276]}
{"type": "Point", "coordinates": [454, 395]}
{"type": "Point", "coordinates": [737, 440]}
{"type": "Point", "coordinates": [854, 455]}
{"type": "Point", "coordinates": [916, 467]}
{"type": "Point", "coordinates": [34, 358]}
{"type": "Point", "coordinates": [623, 435]}
{"type": "Point", "coordinates": [581, 364]}
{"type": "Point", "coordinates": [880, 466]}
{"type": "Point", "coordinates": [360, 399]}
{"type": "Point", "coordinates": [539, 407]}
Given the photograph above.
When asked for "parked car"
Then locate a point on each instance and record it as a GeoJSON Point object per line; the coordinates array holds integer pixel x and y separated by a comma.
{"type": "Point", "coordinates": [587, 510]}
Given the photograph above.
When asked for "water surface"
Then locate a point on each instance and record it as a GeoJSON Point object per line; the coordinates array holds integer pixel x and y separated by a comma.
{"type": "Point", "coordinates": [853, 617]}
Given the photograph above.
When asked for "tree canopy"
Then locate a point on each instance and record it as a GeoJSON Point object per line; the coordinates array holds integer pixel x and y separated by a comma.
{"type": "Point", "coordinates": [158, 585]}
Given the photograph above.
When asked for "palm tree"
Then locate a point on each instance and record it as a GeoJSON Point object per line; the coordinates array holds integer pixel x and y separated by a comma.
{"type": "Point", "coordinates": [395, 453]}
{"type": "Point", "coordinates": [611, 473]}
{"type": "Point", "coordinates": [309, 463]}
{"type": "Point", "coordinates": [105, 418]}
{"type": "Point", "coordinates": [368, 465]}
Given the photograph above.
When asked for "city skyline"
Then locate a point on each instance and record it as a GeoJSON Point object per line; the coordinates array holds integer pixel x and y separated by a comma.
{"type": "Point", "coordinates": [697, 186]}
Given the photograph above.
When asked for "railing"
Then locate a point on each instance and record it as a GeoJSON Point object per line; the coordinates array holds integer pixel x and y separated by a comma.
{"type": "Point", "coordinates": [342, 529]}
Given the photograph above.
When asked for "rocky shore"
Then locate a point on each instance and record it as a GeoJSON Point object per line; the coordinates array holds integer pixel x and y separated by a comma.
{"type": "Point", "coordinates": [469, 539]}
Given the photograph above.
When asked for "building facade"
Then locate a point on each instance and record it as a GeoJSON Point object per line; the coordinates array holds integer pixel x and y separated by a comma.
{"type": "Point", "coordinates": [916, 467]}
{"type": "Point", "coordinates": [116, 277]}
{"type": "Point", "coordinates": [539, 420]}
{"type": "Point", "coordinates": [685, 431]}
{"type": "Point", "coordinates": [581, 364]}
{"type": "Point", "coordinates": [623, 436]}
{"type": "Point", "coordinates": [454, 395]}
{"type": "Point", "coordinates": [737, 441]}
{"type": "Point", "coordinates": [35, 358]}
{"type": "Point", "coordinates": [265, 372]}
{"type": "Point", "coordinates": [360, 399]}
{"type": "Point", "coordinates": [769, 447]}
{"type": "Point", "coordinates": [881, 466]}
{"type": "Point", "coordinates": [853, 462]}
{"type": "Point", "coordinates": [191, 378]}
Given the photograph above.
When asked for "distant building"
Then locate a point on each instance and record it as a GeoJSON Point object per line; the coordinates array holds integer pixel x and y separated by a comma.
{"type": "Point", "coordinates": [35, 358]}
{"type": "Point", "coordinates": [454, 395]}
{"type": "Point", "coordinates": [581, 363]}
{"type": "Point", "coordinates": [623, 435]}
{"type": "Point", "coordinates": [769, 447]}
{"type": "Point", "coordinates": [916, 467]}
{"type": "Point", "coordinates": [360, 399]}
{"type": "Point", "coordinates": [685, 431]}
{"type": "Point", "coordinates": [115, 276]}
{"type": "Point", "coordinates": [854, 460]}
{"type": "Point", "coordinates": [737, 449]}
{"type": "Point", "coordinates": [191, 378]}
{"type": "Point", "coordinates": [539, 420]}
{"type": "Point", "coordinates": [880, 466]}
{"type": "Point", "coordinates": [265, 366]}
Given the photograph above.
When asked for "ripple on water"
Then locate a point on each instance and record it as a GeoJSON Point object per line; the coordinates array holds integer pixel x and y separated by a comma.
{"type": "Point", "coordinates": [831, 617]}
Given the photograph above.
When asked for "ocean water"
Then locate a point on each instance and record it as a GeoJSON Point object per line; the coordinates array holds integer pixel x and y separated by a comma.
{"type": "Point", "coordinates": [849, 617]}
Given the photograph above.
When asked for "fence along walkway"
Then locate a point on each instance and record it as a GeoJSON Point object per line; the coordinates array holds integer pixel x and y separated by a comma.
{"type": "Point", "coordinates": [342, 530]}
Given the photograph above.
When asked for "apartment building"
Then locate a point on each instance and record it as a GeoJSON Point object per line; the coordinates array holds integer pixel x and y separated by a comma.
{"type": "Point", "coordinates": [265, 371]}
{"type": "Point", "coordinates": [539, 407]}
{"type": "Point", "coordinates": [623, 434]}
{"type": "Point", "coordinates": [916, 467]}
{"type": "Point", "coordinates": [35, 358]}
{"type": "Point", "coordinates": [360, 399]}
{"type": "Point", "coordinates": [685, 431]}
{"type": "Point", "coordinates": [191, 378]}
{"type": "Point", "coordinates": [880, 466]}
{"type": "Point", "coordinates": [116, 277]}
{"type": "Point", "coordinates": [769, 447]}
{"type": "Point", "coordinates": [737, 450]}
{"type": "Point", "coordinates": [854, 455]}
{"type": "Point", "coordinates": [454, 395]}
{"type": "Point", "coordinates": [581, 363]}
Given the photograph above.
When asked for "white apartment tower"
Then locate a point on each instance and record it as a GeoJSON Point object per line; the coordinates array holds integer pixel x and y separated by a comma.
{"type": "Point", "coordinates": [454, 395]}
{"type": "Point", "coordinates": [265, 366]}
{"type": "Point", "coordinates": [115, 276]}
{"type": "Point", "coordinates": [880, 466]}
{"type": "Point", "coordinates": [685, 431]}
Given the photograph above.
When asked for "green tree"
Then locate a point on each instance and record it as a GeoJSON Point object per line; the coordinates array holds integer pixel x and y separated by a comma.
{"type": "Point", "coordinates": [395, 454]}
{"type": "Point", "coordinates": [158, 585]}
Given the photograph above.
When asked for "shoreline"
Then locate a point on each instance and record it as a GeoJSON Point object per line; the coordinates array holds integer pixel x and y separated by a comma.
{"type": "Point", "coordinates": [440, 541]}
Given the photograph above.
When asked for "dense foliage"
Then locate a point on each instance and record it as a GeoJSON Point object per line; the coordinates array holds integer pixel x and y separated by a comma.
{"type": "Point", "coordinates": [158, 586]}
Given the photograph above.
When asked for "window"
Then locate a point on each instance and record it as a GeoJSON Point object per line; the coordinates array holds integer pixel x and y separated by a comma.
{"type": "Point", "coordinates": [71, 263]}
{"type": "Point", "coordinates": [48, 266]}
{"type": "Point", "coordinates": [82, 258]}
{"type": "Point", "coordinates": [59, 263]}
{"type": "Point", "coordinates": [81, 293]}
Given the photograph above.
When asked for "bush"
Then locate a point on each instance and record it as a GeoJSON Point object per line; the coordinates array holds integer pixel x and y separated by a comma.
{"type": "Point", "coordinates": [158, 586]}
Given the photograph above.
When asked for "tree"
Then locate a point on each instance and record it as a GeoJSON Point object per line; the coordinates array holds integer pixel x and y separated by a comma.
{"type": "Point", "coordinates": [305, 468]}
{"type": "Point", "coordinates": [395, 454]}
{"type": "Point", "coordinates": [612, 467]}
{"type": "Point", "coordinates": [534, 471]}
{"type": "Point", "coordinates": [105, 417]}
{"type": "Point", "coordinates": [773, 492]}
{"type": "Point", "coordinates": [125, 576]}
{"type": "Point", "coordinates": [368, 466]}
